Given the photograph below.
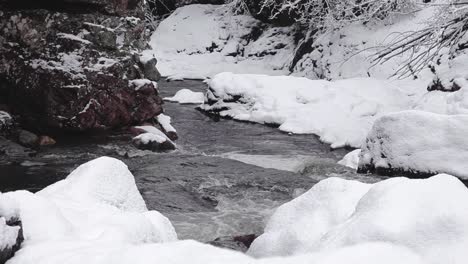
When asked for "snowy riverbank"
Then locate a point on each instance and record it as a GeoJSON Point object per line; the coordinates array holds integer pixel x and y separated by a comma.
{"type": "Point", "coordinates": [97, 215]}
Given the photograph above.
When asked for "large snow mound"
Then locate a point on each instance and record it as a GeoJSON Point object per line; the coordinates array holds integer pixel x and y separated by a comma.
{"type": "Point", "coordinates": [198, 41]}
{"type": "Point", "coordinates": [418, 142]}
{"type": "Point", "coordinates": [423, 216]}
{"type": "Point", "coordinates": [96, 208]}
{"type": "Point", "coordinates": [340, 112]}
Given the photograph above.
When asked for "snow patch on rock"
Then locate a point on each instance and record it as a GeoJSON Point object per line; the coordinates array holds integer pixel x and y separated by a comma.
{"type": "Point", "coordinates": [186, 96]}
{"type": "Point", "coordinates": [351, 160]}
{"type": "Point", "coordinates": [417, 142]}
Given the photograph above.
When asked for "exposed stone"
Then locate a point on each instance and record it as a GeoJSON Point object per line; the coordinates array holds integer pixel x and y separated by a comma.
{"type": "Point", "coordinates": [149, 69]}
{"type": "Point", "coordinates": [27, 138]}
{"type": "Point", "coordinates": [11, 151]}
{"type": "Point", "coordinates": [46, 141]}
{"type": "Point", "coordinates": [72, 71]}
{"type": "Point", "coordinates": [112, 7]}
{"type": "Point", "coordinates": [238, 243]}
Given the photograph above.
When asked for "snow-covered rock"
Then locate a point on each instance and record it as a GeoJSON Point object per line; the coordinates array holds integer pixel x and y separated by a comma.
{"type": "Point", "coordinates": [302, 223]}
{"type": "Point", "coordinates": [11, 238]}
{"type": "Point", "coordinates": [6, 123]}
{"type": "Point", "coordinates": [152, 139]}
{"type": "Point", "coordinates": [423, 216]}
{"type": "Point", "coordinates": [74, 71]}
{"type": "Point", "coordinates": [351, 160]}
{"type": "Point", "coordinates": [186, 96]}
{"type": "Point", "coordinates": [96, 209]}
{"type": "Point", "coordinates": [417, 142]}
{"type": "Point", "coordinates": [165, 123]}
{"type": "Point", "coordinates": [222, 41]}
{"type": "Point", "coordinates": [340, 112]}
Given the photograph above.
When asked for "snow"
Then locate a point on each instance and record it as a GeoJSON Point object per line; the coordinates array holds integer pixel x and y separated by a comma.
{"type": "Point", "coordinates": [423, 216]}
{"type": "Point", "coordinates": [154, 131]}
{"type": "Point", "coordinates": [303, 221]}
{"type": "Point", "coordinates": [340, 112]}
{"type": "Point", "coordinates": [95, 210]}
{"type": "Point", "coordinates": [146, 138]}
{"type": "Point", "coordinates": [199, 41]}
{"type": "Point", "coordinates": [97, 216]}
{"type": "Point", "coordinates": [418, 141]}
{"type": "Point", "coordinates": [5, 118]}
{"type": "Point", "coordinates": [186, 96]}
{"type": "Point", "coordinates": [139, 83]}
{"type": "Point", "coordinates": [348, 52]}
{"type": "Point", "coordinates": [73, 37]}
{"type": "Point", "coordinates": [351, 159]}
{"type": "Point", "coordinates": [165, 122]}
{"type": "Point", "coordinates": [8, 234]}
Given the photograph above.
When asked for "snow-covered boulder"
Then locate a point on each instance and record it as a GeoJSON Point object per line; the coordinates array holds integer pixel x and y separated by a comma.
{"type": "Point", "coordinates": [423, 216]}
{"type": "Point", "coordinates": [340, 112]}
{"type": "Point", "coordinates": [351, 160]}
{"type": "Point", "coordinates": [186, 96]}
{"type": "Point", "coordinates": [152, 139]}
{"type": "Point", "coordinates": [301, 223]}
{"type": "Point", "coordinates": [96, 208]}
{"type": "Point", "coordinates": [416, 142]}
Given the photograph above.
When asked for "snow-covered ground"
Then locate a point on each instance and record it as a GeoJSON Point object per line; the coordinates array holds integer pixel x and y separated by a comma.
{"type": "Point", "coordinates": [340, 112]}
{"type": "Point", "coordinates": [97, 215]}
{"type": "Point", "coordinates": [199, 41]}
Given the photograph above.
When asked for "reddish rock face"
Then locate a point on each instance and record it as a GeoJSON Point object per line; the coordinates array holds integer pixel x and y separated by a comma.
{"type": "Point", "coordinates": [72, 71]}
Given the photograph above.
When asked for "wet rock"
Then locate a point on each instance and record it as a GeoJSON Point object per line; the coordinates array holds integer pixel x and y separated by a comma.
{"type": "Point", "coordinates": [150, 70]}
{"type": "Point", "coordinates": [238, 243]}
{"type": "Point", "coordinates": [11, 151]}
{"type": "Point", "coordinates": [46, 141]}
{"type": "Point", "coordinates": [150, 141]}
{"type": "Point", "coordinates": [72, 71]}
{"type": "Point", "coordinates": [27, 138]}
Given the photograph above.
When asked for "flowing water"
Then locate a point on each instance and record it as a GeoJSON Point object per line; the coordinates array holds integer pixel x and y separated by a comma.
{"type": "Point", "coordinates": [224, 179]}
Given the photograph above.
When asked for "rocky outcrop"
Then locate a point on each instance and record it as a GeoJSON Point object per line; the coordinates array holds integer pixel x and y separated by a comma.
{"type": "Point", "coordinates": [111, 7]}
{"type": "Point", "coordinates": [73, 70]}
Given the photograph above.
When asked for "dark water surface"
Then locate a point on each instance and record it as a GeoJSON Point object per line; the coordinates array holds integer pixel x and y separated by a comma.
{"type": "Point", "coordinates": [202, 187]}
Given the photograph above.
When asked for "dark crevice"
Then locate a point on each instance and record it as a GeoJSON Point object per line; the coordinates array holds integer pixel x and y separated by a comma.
{"type": "Point", "coordinates": [52, 5]}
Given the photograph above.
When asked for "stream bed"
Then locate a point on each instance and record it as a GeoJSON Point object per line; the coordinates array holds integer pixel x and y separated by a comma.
{"type": "Point", "coordinates": [225, 178]}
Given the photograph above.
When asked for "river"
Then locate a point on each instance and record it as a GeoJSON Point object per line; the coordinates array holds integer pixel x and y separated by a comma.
{"type": "Point", "coordinates": [224, 179]}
